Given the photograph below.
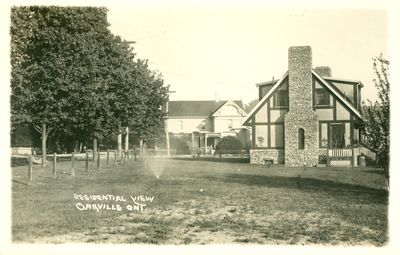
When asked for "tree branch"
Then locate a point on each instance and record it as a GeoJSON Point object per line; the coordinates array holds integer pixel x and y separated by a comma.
{"type": "Point", "coordinates": [37, 128]}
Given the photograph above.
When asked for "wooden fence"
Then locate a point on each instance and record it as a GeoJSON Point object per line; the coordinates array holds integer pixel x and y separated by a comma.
{"type": "Point", "coordinates": [105, 157]}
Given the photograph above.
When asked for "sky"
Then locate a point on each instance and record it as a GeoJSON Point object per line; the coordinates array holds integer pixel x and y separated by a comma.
{"type": "Point", "coordinates": [221, 52]}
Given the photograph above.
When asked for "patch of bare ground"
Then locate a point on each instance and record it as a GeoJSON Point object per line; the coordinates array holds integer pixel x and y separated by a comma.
{"type": "Point", "coordinates": [194, 222]}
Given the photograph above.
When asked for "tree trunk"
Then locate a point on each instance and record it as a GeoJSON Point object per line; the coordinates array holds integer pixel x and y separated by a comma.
{"type": "Point", "coordinates": [119, 149]}
{"type": "Point", "coordinates": [127, 140]}
{"type": "Point", "coordinates": [44, 138]}
{"type": "Point", "coordinates": [94, 149]}
{"type": "Point", "coordinates": [141, 148]}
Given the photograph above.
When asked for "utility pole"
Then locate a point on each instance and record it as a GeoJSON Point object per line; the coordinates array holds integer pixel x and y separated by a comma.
{"type": "Point", "coordinates": [166, 124]}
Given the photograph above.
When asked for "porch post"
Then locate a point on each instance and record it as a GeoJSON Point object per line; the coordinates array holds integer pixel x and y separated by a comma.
{"type": "Point", "coordinates": [205, 143]}
{"type": "Point", "coordinates": [354, 154]}
{"type": "Point", "coordinates": [192, 141]}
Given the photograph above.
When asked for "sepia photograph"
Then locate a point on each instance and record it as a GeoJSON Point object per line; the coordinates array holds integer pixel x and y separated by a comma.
{"type": "Point", "coordinates": [198, 126]}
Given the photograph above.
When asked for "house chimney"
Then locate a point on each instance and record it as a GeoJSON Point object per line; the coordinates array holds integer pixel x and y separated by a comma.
{"type": "Point", "coordinates": [324, 71]}
{"type": "Point", "coordinates": [301, 121]}
{"type": "Point", "coordinates": [300, 77]}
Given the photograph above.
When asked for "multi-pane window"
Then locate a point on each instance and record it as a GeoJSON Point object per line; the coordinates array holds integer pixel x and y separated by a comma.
{"type": "Point", "coordinates": [180, 125]}
{"type": "Point", "coordinates": [281, 99]}
{"type": "Point", "coordinates": [324, 134]}
{"type": "Point", "coordinates": [321, 97]}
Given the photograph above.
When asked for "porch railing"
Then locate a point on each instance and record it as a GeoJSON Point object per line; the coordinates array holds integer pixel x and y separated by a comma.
{"type": "Point", "coordinates": [340, 153]}
{"type": "Point", "coordinates": [348, 156]}
{"type": "Point", "coordinates": [349, 152]}
{"type": "Point", "coordinates": [367, 152]}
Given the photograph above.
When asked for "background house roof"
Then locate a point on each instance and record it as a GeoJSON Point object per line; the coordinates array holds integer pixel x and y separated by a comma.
{"type": "Point", "coordinates": [196, 108]}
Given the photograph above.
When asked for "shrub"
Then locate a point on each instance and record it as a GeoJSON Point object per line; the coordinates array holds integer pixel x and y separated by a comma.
{"type": "Point", "coordinates": [228, 144]}
{"type": "Point", "coordinates": [180, 144]}
{"type": "Point", "coordinates": [22, 137]}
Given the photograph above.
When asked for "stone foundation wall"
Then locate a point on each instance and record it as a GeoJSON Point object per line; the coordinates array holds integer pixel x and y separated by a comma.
{"type": "Point", "coordinates": [258, 156]}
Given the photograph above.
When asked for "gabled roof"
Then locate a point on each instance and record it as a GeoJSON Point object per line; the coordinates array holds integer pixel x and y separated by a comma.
{"type": "Point", "coordinates": [331, 79]}
{"type": "Point", "coordinates": [197, 108]}
{"type": "Point", "coordinates": [328, 85]}
{"type": "Point", "coordinates": [263, 100]}
{"type": "Point", "coordinates": [240, 106]}
{"type": "Point", "coordinates": [337, 94]}
{"type": "Point", "coordinates": [266, 83]}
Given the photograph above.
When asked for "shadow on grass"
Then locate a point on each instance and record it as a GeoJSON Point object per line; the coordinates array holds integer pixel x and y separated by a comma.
{"type": "Point", "coordinates": [307, 184]}
{"type": "Point", "coordinates": [222, 160]}
{"type": "Point", "coordinates": [374, 171]}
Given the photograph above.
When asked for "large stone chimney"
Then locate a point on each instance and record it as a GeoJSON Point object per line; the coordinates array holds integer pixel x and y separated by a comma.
{"type": "Point", "coordinates": [301, 121]}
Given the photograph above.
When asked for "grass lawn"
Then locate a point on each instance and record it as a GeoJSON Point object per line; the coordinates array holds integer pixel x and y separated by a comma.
{"type": "Point", "coordinates": [202, 202]}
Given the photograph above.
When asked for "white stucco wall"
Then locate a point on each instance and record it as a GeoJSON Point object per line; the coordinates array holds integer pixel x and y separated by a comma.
{"type": "Point", "coordinates": [221, 124]}
{"type": "Point", "coordinates": [189, 125]}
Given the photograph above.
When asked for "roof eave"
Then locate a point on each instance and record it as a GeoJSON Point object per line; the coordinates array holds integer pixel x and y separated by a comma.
{"type": "Point", "coordinates": [262, 101]}
{"type": "Point", "coordinates": [349, 105]}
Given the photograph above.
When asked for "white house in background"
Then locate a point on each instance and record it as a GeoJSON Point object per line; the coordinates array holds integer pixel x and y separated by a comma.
{"type": "Point", "coordinates": [207, 122]}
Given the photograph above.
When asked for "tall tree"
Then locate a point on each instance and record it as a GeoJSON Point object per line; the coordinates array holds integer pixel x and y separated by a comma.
{"type": "Point", "coordinates": [248, 107]}
{"type": "Point", "coordinates": [377, 114]}
{"type": "Point", "coordinates": [71, 73]}
{"type": "Point", "coordinates": [59, 70]}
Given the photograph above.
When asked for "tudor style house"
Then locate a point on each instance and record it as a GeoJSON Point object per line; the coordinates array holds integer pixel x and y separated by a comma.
{"type": "Point", "coordinates": [306, 117]}
{"type": "Point", "coordinates": [206, 122]}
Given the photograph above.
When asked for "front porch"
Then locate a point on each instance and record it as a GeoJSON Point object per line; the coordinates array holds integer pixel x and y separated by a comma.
{"type": "Point", "coordinates": [346, 157]}
{"type": "Point", "coordinates": [204, 142]}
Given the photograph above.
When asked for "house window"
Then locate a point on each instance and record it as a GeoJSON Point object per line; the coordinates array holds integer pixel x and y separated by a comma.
{"type": "Point", "coordinates": [281, 98]}
{"type": "Point", "coordinates": [230, 123]}
{"type": "Point", "coordinates": [203, 125]}
{"type": "Point", "coordinates": [180, 125]}
{"type": "Point", "coordinates": [324, 135]}
{"type": "Point", "coordinates": [356, 136]}
{"type": "Point", "coordinates": [301, 138]}
{"type": "Point", "coordinates": [321, 97]}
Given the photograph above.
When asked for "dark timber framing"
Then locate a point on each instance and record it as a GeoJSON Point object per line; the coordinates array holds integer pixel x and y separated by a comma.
{"type": "Point", "coordinates": [333, 104]}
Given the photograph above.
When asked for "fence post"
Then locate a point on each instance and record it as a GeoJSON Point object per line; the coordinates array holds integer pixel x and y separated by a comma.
{"type": "Point", "coordinates": [87, 162]}
{"type": "Point", "coordinates": [122, 157]}
{"type": "Point", "coordinates": [72, 164]}
{"type": "Point", "coordinates": [108, 157]}
{"type": "Point", "coordinates": [55, 165]}
{"type": "Point", "coordinates": [115, 158]}
{"type": "Point", "coordinates": [29, 169]}
{"type": "Point", "coordinates": [98, 159]}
